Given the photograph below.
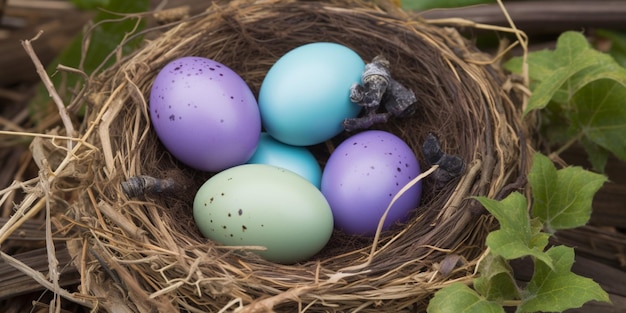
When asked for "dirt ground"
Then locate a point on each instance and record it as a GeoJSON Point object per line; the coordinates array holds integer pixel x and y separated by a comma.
{"type": "Point", "coordinates": [600, 246]}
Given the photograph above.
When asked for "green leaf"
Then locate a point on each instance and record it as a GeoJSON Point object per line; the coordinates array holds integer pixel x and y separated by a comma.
{"type": "Point", "coordinates": [517, 236]}
{"type": "Point", "coordinates": [558, 74]}
{"type": "Point", "coordinates": [572, 55]}
{"type": "Point", "coordinates": [549, 71]}
{"type": "Point", "coordinates": [459, 298]}
{"type": "Point", "coordinates": [597, 155]}
{"type": "Point", "coordinates": [583, 88]}
{"type": "Point", "coordinates": [562, 198]}
{"type": "Point", "coordinates": [555, 127]}
{"type": "Point", "coordinates": [600, 113]}
{"type": "Point", "coordinates": [496, 281]}
{"type": "Point", "coordinates": [604, 67]}
{"type": "Point", "coordinates": [558, 289]}
{"type": "Point", "coordinates": [540, 64]}
{"type": "Point", "coordinates": [105, 38]}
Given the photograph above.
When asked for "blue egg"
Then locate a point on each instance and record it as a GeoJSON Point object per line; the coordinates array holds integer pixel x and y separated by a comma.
{"type": "Point", "coordinates": [294, 158]}
{"type": "Point", "coordinates": [305, 95]}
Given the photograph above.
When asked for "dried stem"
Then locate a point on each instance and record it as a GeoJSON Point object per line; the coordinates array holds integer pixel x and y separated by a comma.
{"type": "Point", "coordinates": [570, 142]}
{"type": "Point", "coordinates": [53, 262]}
{"type": "Point", "coordinates": [522, 38]}
{"type": "Point", "coordinates": [65, 118]}
{"type": "Point", "coordinates": [381, 222]}
{"type": "Point", "coordinates": [74, 105]}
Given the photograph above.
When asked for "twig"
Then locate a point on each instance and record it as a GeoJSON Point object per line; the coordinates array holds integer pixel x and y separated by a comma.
{"type": "Point", "coordinates": [523, 39]}
{"type": "Point", "coordinates": [53, 262]}
{"type": "Point", "coordinates": [462, 189]}
{"type": "Point", "coordinates": [73, 106]}
{"type": "Point", "coordinates": [105, 137]}
{"type": "Point", "coordinates": [67, 122]}
{"type": "Point", "coordinates": [267, 304]}
{"type": "Point", "coordinates": [48, 136]}
{"type": "Point", "coordinates": [20, 214]}
{"type": "Point", "coordinates": [118, 50]}
{"type": "Point", "coordinates": [566, 146]}
{"type": "Point", "coordinates": [382, 219]}
{"type": "Point", "coordinates": [11, 227]}
{"type": "Point", "coordinates": [8, 124]}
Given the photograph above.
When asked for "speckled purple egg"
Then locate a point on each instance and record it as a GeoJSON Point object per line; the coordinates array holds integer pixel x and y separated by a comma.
{"type": "Point", "coordinates": [204, 114]}
{"type": "Point", "coordinates": [363, 175]}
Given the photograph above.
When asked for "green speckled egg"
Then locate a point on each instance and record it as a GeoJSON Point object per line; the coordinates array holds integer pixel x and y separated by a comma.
{"type": "Point", "coordinates": [263, 205]}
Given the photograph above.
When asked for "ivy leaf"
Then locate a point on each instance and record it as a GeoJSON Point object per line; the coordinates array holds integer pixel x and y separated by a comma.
{"type": "Point", "coordinates": [604, 67]}
{"type": "Point", "coordinates": [583, 88]}
{"type": "Point", "coordinates": [496, 281]}
{"type": "Point", "coordinates": [555, 126]}
{"type": "Point", "coordinates": [558, 289]}
{"type": "Point", "coordinates": [557, 75]}
{"type": "Point", "coordinates": [540, 65]}
{"type": "Point", "coordinates": [597, 155]}
{"type": "Point", "coordinates": [562, 198]}
{"type": "Point", "coordinates": [517, 236]}
{"type": "Point", "coordinates": [460, 298]}
{"type": "Point", "coordinates": [551, 69]}
{"type": "Point", "coordinates": [599, 112]}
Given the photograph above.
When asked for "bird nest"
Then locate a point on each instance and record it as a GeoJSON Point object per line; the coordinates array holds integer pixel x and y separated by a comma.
{"type": "Point", "coordinates": [141, 254]}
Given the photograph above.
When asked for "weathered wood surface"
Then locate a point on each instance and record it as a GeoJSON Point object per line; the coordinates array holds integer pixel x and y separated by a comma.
{"type": "Point", "coordinates": [60, 23]}
{"type": "Point", "coordinates": [59, 27]}
{"type": "Point", "coordinates": [543, 17]}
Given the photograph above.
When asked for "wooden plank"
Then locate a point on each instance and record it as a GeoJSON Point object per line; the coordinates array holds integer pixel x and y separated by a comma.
{"type": "Point", "coordinates": [32, 233]}
{"type": "Point", "coordinates": [543, 17]}
{"type": "Point", "coordinates": [603, 244]}
{"type": "Point", "coordinates": [59, 27]}
{"type": "Point", "coordinates": [14, 283]}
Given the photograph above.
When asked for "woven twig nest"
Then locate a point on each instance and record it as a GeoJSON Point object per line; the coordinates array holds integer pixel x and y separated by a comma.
{"type": "Point", "coordinates": [147, 255]}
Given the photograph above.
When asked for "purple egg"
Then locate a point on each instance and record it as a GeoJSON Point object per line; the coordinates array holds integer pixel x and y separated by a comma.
{"type": "Point", "coordinates": [363, 175]}
{"type": "Point", "coordinates": [204, 114]}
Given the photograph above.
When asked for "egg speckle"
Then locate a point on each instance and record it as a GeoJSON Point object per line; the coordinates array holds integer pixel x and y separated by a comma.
{"type": "Point", "coordinates": [362, 177]}
{"type": "Point", "coordinates": [204, 114]}
{"type": "Point", "coordinates": [263, 205]}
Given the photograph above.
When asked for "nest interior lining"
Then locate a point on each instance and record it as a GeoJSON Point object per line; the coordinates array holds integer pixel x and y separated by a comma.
{"type": "Point", "coordinates": [148, 254]}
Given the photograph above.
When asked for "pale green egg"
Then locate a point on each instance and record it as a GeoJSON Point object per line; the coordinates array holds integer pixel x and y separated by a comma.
{"type": "Point", "coordinates": [263, 205]}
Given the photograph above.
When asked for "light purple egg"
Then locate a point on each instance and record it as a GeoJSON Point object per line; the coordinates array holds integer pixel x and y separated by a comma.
{"type": "Point", "coordinates": [363, 175]}
{"type": "Point", "coordinates": [204, 114]}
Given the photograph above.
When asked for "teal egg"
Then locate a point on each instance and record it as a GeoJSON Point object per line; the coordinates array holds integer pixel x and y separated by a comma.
{"type": "Point", "coordinates": [264, 205]}
{"type": "Point", "coordinates": [294, 158]}
{"type": "Point", "coordinates": [305, 96]}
